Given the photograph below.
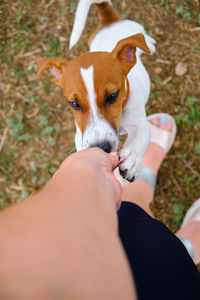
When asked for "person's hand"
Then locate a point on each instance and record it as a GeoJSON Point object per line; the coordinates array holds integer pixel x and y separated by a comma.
{"type": "Point", "coordinates": [94, 169]}
{"type": "Point", "coordinates": [71, 227]}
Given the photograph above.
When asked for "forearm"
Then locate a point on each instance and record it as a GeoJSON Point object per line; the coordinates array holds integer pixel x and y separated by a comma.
{"type": "Point", "coordinates": [68, 239]}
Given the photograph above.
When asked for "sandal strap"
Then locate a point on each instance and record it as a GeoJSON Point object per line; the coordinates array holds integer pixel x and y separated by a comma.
{"type": "Point", "coordinates": [148, 176]}
{"type": "Point", "coordinates": [189, 214]}
{"type": "Point", "coordinates": [157, 138]}
{"type": "Point", "coordinates": [188, 245]}
{"type": "Point", "coordinates": [168, 137]}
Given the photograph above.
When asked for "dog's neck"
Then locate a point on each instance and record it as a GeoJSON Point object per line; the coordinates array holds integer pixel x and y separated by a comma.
{"type": "Point", "coordinates": [127, 93]}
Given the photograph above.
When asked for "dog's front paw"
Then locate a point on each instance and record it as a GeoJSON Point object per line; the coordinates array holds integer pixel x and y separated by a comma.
{"type": "Point", "coordinates": [131, 164]}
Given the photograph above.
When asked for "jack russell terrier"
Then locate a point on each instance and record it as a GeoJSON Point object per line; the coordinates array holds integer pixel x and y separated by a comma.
{"type": "Point", "coordinates": [106, 94]}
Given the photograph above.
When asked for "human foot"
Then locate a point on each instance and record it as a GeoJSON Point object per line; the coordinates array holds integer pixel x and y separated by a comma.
{"type": "Point", "coordinates": [163, 132]}
{"type": "Point", "coordinates": [141, 191]}
{"type": "Point", "coordinates": [190, 230]}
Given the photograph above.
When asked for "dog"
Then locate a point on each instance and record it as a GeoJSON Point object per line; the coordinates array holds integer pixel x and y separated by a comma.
{"type": "Point", "coordinates": [107, 88]}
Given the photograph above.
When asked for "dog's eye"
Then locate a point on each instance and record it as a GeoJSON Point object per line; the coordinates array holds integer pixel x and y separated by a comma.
{"type": "Point", "coordinates": [111, 98]}
{"type": "Point", "coordinates": [75, 105]}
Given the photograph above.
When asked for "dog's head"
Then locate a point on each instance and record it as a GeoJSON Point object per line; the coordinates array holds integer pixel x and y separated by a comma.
{"type": "Point", "coordinates": [94, 84]}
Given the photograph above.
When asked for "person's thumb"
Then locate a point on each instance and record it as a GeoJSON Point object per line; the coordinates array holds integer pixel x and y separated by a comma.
{"type": "Point", "coordinates": [114, 159]}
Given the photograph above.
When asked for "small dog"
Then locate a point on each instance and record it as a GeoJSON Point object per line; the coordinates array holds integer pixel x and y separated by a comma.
{"type": "Point", "coordinates": [106, 94]}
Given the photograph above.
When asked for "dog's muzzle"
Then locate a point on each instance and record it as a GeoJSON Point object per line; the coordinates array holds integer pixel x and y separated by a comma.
{"type": "Point", "coordinates": [105, 146]}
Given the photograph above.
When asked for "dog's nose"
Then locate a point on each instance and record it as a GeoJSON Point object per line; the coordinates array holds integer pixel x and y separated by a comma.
{"type": "Point", "coordinates": [105, 146]}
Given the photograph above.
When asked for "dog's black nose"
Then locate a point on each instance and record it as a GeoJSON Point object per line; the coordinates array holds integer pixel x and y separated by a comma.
{"type": "Point", "coordinates": [105, 146]}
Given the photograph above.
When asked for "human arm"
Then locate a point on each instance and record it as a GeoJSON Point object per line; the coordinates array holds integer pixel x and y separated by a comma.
{"type": "Point", "coordinates": [64, 240]}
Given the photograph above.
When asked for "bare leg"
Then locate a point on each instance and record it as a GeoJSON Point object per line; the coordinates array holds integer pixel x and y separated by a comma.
{"type": "Point", "coordinates": [140, 192]}
{"type": "Point", "coordinates": [190, 231]}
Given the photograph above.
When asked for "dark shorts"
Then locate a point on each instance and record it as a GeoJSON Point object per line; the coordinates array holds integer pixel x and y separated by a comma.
{"type": "Point", "coordinates": [161, 266]}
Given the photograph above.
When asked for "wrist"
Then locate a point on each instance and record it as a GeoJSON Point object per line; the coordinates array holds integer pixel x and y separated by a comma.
{"type": "Point", "coordinates": [81, 196]}
{"type": "Point", "coordinates": [85, 181]}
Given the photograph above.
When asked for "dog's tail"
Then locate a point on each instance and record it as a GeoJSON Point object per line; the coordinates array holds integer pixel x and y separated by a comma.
{"type": "Point", "coordinates": [104, 6]}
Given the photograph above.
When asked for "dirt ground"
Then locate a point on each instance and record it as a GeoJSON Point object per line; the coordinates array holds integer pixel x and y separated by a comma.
{"type": "Point", "coordinates": [36, 126]}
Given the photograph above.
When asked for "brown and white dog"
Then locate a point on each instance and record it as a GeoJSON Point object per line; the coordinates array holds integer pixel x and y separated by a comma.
{"type": "Point", "coordinates": [106, 94]}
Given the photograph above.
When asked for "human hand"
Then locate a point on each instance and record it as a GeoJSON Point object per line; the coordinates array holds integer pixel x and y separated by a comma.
{"type": "Point", "coordinates": [92, 168]}
{"type": "Point", "coordinates": [71, 227]}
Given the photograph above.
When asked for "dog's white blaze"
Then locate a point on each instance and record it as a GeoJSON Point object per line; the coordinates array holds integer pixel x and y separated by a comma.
{"type": "Point", "coordinates": [98, 129]}
{"type": "Point", "coordinates": [88, 78]}
{"type": "Point", "coordinates": [78, 138]}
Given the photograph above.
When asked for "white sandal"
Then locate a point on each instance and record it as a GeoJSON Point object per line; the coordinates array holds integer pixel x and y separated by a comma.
{"type": "Point", "coordinates": [164, 139]}
{"type": "Point", "coordinates": [190, 215]}
{"type": "Point", "coordinates": [191, 211]}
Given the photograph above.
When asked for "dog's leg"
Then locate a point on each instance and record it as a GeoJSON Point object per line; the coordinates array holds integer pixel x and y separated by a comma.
{"type": "Point", "coordinates": [133, 151]}
{"type": "Point", "coordinates": [137, 142]}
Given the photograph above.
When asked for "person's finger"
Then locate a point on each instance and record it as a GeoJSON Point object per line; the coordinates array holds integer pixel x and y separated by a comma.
{"type": "Point", "coordinates": [114, 157]}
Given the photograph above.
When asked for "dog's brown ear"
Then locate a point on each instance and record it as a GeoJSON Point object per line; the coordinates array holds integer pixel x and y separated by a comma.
{"type": "Point", "coordinates": [126, 48]}
{"type": "Point", "coordinates": [56, 65]}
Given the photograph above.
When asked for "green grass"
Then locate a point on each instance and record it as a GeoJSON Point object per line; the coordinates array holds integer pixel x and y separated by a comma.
{"type": "Point", "coordinates": [43, 120]}
{"type": "Point", "coordinates": [157, 79]}
{"type": "Point", "coordinates": [197, 148]}
{"type": "Point", "coordinates": [178, 213]}
{"type": "Point", "coordinates": [187, 180]}
{"type": "Point", "coordinates": [47, 86]}
{"type": "Point", "coordinates": [124, 15]}
{"type": "Point", "coordinates": [6, 160]}
{"type": "Point", "coordinates": [156, 94]}
{"type": "Point", "coordinates": [184, 12]}
{"type": "Point", "coordinates": [190, 115]}
{"type": "Point", "coordinates": [20, 72]}
{"type": "Point", "coordinates": [54, 48]}
{"type": "Point", "coordinates": [72, 5]}
{"type": "Point", "coordinates": [23, 195]}
{"type": "Point", "coordinates": [165, 3]}
{"type": "Point", "coordinates": [178, 209]}
{"type": "Point", "coordinates": [16, 124]}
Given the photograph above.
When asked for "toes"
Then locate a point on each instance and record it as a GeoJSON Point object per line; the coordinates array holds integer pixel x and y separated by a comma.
{"type": "Point", "coordinates": [165, 123]}
{"type": "Point", "coordinates": [162, 122]}
{"type": "Point", "coordinates": [154, 121]}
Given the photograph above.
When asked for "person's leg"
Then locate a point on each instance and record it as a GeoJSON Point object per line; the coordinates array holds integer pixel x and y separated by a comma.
{"type": "Point", "coordinates": [140, 192]}
{"type": "Point", "coordinates": [190, 229]}
{"type": "Point", "coordinates": [159, 261]}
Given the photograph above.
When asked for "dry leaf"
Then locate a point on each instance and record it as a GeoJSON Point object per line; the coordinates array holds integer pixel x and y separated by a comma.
{"type": "Point", "coordinates": [180, 69]}
{"type": "Point", "coordinates": [158, 70]}
{"type": "Point", "coordinates": [177, 144]}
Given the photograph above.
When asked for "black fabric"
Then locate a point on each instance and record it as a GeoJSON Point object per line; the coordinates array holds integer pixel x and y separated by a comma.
{"type": "Point", "coordinates": [161, 266]}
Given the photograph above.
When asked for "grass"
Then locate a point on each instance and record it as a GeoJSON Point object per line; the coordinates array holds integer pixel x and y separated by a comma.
{"type": "Point", "coordinates": [165, 3]}
{"type": "Point", "coordinates": [190, 115]}
{"type": "Point", "coordinates": [54, 48]}
{"type": "Point", "coordinates": [185, 13]}
{"type": "Point", "coordinates": [178, 213]}
{"type": "Point", "coordinates": [72, 5]}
